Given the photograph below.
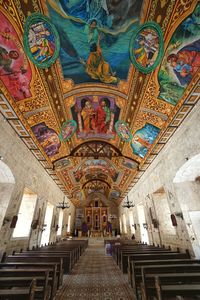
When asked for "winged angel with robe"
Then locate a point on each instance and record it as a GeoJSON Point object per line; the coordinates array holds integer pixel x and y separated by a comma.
{"type": "Point", "coordinates": [95, 36]}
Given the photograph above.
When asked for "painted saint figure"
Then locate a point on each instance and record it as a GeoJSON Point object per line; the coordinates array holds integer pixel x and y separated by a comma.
{"type": "Point", "coordinates": [103, 116]}
{"type": "Point", "coordinates": [88, 116]}
{"type": "Point", "coordinates": [186, 62]}
{"type": "Point", "coordinates": [95, 66]}
{"type": "Point", "coordinates": [6, 59]}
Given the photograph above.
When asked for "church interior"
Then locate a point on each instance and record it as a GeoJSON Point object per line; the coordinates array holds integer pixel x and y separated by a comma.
{"type": "Point", "coordinates": [99, 149]}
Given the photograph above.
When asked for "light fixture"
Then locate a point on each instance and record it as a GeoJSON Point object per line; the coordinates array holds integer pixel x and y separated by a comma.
{"type": "Point", "coordinates": [112, 217]}
{"type": "Point", "coordinates": [145, 225]}
{"type": "Point", "coordinates": [128, 204]}
{"type": "Point", "coordinates": [63, 204]}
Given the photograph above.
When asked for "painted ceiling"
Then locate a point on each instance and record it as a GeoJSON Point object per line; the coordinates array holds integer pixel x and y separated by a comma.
{"type": "Point", "coordinates": [95, 88]}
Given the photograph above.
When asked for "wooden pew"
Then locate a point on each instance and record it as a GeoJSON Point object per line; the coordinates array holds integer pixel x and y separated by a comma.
{"type": "Point", "coordinates": [66, 256]}
{"type": "Point", "coordinates": [21, 293]}
{"type": "Point", "coordinates": [51, 267]}
{"type": "Point", "coordinates": [172, 290]}
{"type": "Point", "coordinates": [34, 260]}
{"type": "Point", "coordinates": [150, 255]}
{"type": "Point", "coordinates": [135, 267]}
{"type": "Point", "coordinates": [165, 271]}
{"type": "Point", "coordinates": [21, 277]}
{"type": "Point", "coordinates": [150, 291]}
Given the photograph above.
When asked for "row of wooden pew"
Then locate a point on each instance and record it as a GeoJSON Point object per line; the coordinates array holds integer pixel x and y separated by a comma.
{"type": "Point", "coordinates": [157, 272]}
{"type": "Point", "coordinates": [37, 274]}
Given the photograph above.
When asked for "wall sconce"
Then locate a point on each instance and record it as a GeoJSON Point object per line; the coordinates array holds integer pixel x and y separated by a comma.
{"type": "Point", "coordinates": [13, 222]}
{"type": "Point", "coordinates": [155, 223]}
{"type": "Point", "coordinates": [5, 221]}
{"type": "Point", "coordinates": [179, 215]}
{"type": "Point", "coordinates": [112, 217]}
{"type": "Point", "coordinates": [43, 227]}
{"type": "Point", "coordinates": [135, 226]}
{"type": "Point", "coordinates": [145, 225]}
{"type": "Point", "coordinates": [34, 224]}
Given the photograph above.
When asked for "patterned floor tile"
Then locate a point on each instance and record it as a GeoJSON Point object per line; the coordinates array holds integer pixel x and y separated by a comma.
{"type": "Point", "coordinates": [95, 277]}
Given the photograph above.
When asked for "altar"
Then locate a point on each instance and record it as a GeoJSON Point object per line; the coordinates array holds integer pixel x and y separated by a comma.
{"type": "Point", "coordinates": [96, 233]}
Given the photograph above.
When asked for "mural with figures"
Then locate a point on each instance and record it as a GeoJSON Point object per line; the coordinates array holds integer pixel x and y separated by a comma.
{"type": "Point", "coordinates": [182, 59]}
{"type": "Point", "coordinates": [146, 47]}
{"type": "Point", "coordinates": [95, 117]}
{"type": "Point", "coordinates": [95, 37]}
{"type": "Point", "coordinates": [47, 138]}
{"type": "Point", "coordinates": [96, 166]}
{"type": "Point", "coordinates": [41, 40]}
{"type": "Point", "coordinates": [15, 71]}
{"type": "Point", "coordinates": [96, 88]}
{"type": "Point", "coordinates": [61, 164]}
{"type": "Point", "coordinates": [128, 163]}
{"type": "Point", "coordinates": [143, 139]}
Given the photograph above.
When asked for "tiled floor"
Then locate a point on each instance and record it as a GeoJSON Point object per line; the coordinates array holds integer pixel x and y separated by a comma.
{"type": "Point", "coordinates": [95, 277]}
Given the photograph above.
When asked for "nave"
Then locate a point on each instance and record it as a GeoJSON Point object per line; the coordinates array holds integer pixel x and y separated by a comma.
{"type": "Point", "coordinates": [95, 276]}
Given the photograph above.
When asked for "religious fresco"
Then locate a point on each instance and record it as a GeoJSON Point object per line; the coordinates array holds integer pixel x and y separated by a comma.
{"type": "Point", "coordinates": [182, 59]}
{"type": "Point", "coordinates": [78, 195]}
{"type": "Point", "coordinates": [41, 40]}
{"type": "Point", "coordinates": [114, 194]}
{"type": "Point", "coordinates": [56, 101]}
{"type": "Point", "coordinates": [143, 139]}
{"type": "Point", "coordinates": [146, 47]}
{"type": "Point", "coordinates": [67, 130]}
{"type": "Point", "coordinates": [123, 131]}
{"type": "Point", "coordinates": [61, 164]}
{"type": "Point", "coordinates": [94, 37]}
{"type": "Point", "coordinates": [92, 166]}
{"type": "Point", "coordinates": [95, 117]}
{"type": "Point", "coordinates": [128, 163]}
{"type": "Point", "coordinates": [97, 175]}
{"type": "Point", "coordinates": [48, 138]}
{"type": "Point", "coordinates": [15, 71]}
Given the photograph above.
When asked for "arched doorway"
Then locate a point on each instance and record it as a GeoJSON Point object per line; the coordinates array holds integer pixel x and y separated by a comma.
{"type": "Point", "coordinates": [7, 182]}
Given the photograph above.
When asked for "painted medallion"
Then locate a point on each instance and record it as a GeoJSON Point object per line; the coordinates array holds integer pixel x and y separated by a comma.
{"type": "Point", "coordinates": [123, 131]}
{"type": "Point", "coordinates": [146, 47]}
{"type": "Point", "coordinates": [67, 130]}
{"type": "Point", "coordinates": [41, 40]}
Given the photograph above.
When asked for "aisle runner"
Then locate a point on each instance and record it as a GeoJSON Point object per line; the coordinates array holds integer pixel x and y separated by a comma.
{"type": "Point", "coordinates": [95, 277]}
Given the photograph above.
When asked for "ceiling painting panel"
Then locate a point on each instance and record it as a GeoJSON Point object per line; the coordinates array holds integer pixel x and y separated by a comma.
{"type": "Point", "coordinates": [95, 117]}
{"type": "Point", "coordinates": [15, 70]}
{"type": "Point", "coordinates": [182, 59]}
{"type": "Point", "coordinates": [95, 38]}
{"type": "Point", "coordinates": [124, 115]}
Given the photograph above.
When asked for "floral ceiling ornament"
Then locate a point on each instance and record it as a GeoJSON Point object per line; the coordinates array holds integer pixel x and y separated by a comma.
{"type": "Point", "coordinates": [41, 40]}
{"type": "Point", "coordinates": [123, 131]}
{"type": "Point", "coordinates": [146, 47]}
{"type": "Point", "coordinates": [67, 130]}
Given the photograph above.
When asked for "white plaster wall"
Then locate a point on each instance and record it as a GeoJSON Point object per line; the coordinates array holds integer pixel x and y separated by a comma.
{"type": "Point", "coordinates": [29, 173]}
{"type": "Point", "coordinates": [184, 144]}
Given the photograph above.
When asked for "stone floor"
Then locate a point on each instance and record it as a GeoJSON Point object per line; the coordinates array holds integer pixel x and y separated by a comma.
{"type": "Point", "coordinates": [95, 277]}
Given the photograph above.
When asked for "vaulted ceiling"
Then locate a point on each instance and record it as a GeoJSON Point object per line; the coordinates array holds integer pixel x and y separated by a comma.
{"type": "Point", "coordinates": [97, 88]}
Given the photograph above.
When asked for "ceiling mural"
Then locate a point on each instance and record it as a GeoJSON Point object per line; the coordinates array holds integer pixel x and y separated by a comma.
{"type": "Point", "coordinates": [15, 71]}
{"type": "Point", "coordinates": [182, 59]}
{"type": "Point", "coordinates": [95, 37]}
{"type": "Point", "coordinates": [41, 40]}
{"type": "Point", "coordinates": [95, 117]}
{"type": "Point", "coordinates": [95, 88]}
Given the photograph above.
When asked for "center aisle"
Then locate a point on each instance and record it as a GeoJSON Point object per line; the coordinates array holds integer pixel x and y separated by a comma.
{"type": "Point", "coordinates": [95, 277]}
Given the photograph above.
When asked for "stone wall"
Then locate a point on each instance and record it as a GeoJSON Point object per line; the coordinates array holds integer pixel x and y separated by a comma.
{"type": "Point", "coordinates": [29, 173]}
{"type": "Point", "coordinates": [157, 184]}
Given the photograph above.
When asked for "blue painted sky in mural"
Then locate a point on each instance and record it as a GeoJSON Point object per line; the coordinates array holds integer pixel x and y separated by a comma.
{"type": "Point", "coordinates": [104, 44]}
{"type": "Point", "coordinates": [143, 139]}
